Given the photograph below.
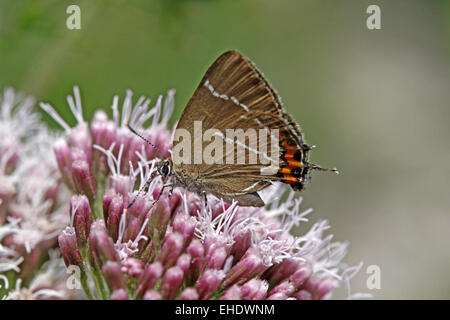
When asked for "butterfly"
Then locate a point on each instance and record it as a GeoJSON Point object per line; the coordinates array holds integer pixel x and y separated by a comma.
{"type": "Point", "coordinates": [234, 95]}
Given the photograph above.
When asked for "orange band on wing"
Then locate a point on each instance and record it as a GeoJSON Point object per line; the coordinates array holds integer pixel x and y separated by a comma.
{"type": "Point", "coordinates": [287, 146]}
{"type": "Point", "coordinates": [289, 179]}
{"type": "Point", "coordinates": [295, 163]}
{"type": "Point", "coordinates": [289, 155]}
{"type": "Point", "coordinates": [286, 170]}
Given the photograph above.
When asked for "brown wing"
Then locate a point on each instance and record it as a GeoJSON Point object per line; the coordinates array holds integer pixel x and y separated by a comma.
{"type": "Point", "coordinates": [234, 95]}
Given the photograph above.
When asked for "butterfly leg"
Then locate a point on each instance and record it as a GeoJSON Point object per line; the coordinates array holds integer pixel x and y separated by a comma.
{"type": "Point", "coordinates": [167, 185]}
{"type": "Point", "coordinates": [205, 198]}
{"type": "Point", "coordinates": [145, 186]}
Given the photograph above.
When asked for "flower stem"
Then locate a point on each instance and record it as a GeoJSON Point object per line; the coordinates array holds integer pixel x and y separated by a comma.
{"type": "Point", "coordinates": [84, 283]}
{"type": "Point", "coordinates": [99, 284]}
{"type": "Point", "coordinates": [97, 277]}
{"type": "Point", "coordinates": [98, 202]}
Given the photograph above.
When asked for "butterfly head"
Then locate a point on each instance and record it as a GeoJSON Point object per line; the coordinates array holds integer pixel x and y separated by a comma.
{"type": "Point", "coordinates": [165, 168]}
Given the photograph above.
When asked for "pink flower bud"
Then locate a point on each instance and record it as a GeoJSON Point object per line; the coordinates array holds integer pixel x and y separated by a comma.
{"type": "Point", "coordinates": [113, 214]}
{"type": "Point", "coordinates": [285, 287]}
{"type": "Point", "coordinates": [185, 225]}
{"type": "Point", "coordinates": [78, 154]}
{"type": "Point", "coordinates": [189, 294]}
{"type": "Point", "coordinates": [324, 287]}
{"type": "Point", "coordinates": [64, 160]}
{"type": "Point", "coordinates": [107, 198]}
{"type": "Point", "coordinates": [171, 248]}
{"type": "Point", "coordinates": [278, 296]}
{"type": "Point", "coordinates": [132, 144]}
{"type": "Point", "coordinates": [162, 139]}
{"type": "Point", "coordinates": [249, 266]}
{"type": "Point", "coordinates": [80, 137]}
{"type": "Point", "coordinates": [196, 251]}
{"type": "Point", "coordinates": [149, 278]}
{"type": "Point", "coordinates": [233, 293]}
{"type": "Point", "coordinates": [242, 242]}
{"type": "Point", "coordinates": [69, 247]}
{"type": "Point", "coordinates": [80, 211]}
{"type": "Point", "coordinates": [147, 252]}
{"type": "Point", "coordinates": [217, 206]}
{"type": "Point", "coordinates": [255, 289]}
{"type": "Point", "coordinates": [103, 131]}
{"type": "Point", "coordinates": [193, 203]}
{"type": "Point", "coordinates": [208, 282]}
{"type": "Point", "coordinates": [317, 287]}
{"type": "Point", "coordinates": [100, 116]}
{"type": "Point", "coordinates": [140, 208]}
{"type": "Point", "coordinates": [113, 275]}
{"type": "Point", "coordinates": [303, 295]}
{"type": "Point", "coordinates": [119, 294]}
{"type": "Point", "coordinates": [152, 295]}
{"type": "Point", "coordinates": [216, 258]}
{"type": "Point", "coordinates": [83, 178]}
{"type": "Point", "coordinates": [133, 267]}
{"type": "Point", "coordinates": [159, 218]}
{"type": "Point", "coordinates": [281, 271]}
{"type": "Point", "coordinates": [122, 184]}
{"type": "Point", "coordinates": [184, 262]}
{"type": "Point", "coordinates": [101, 245]}
{"type": "Point", "coordinates": [171, 282]}
{"type": "Point", "coordinates": [175, 202]}
{"type": "Point", "coordinates": [300, 276]}
{"type": "Point", "coordinates": [133, 227]}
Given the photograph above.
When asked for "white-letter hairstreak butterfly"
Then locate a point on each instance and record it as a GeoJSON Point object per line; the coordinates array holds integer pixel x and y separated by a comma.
{"type": "Point", "coordinates": [234, 138]}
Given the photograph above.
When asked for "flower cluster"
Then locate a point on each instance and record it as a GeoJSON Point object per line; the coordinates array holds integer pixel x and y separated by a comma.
{"type": "Point", "coordinates": [180, 247]}
{"type": "Point", "coordinates": [32, 207]}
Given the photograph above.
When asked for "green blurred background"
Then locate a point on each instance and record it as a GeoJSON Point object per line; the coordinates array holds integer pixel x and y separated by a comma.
{"type": "Point", "coordinates": [375, 102]}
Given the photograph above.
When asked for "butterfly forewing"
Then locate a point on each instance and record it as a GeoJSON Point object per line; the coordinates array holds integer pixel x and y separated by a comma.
{"type": "Point", "coordinates": [234, 95]}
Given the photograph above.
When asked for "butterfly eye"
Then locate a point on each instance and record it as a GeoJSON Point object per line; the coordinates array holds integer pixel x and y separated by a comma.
{"type": "Point", "coordinates": [165, 169]}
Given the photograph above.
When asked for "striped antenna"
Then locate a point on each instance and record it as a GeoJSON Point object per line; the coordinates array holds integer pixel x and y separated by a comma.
{"type": "Point", "coordinates": [140, 136]}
